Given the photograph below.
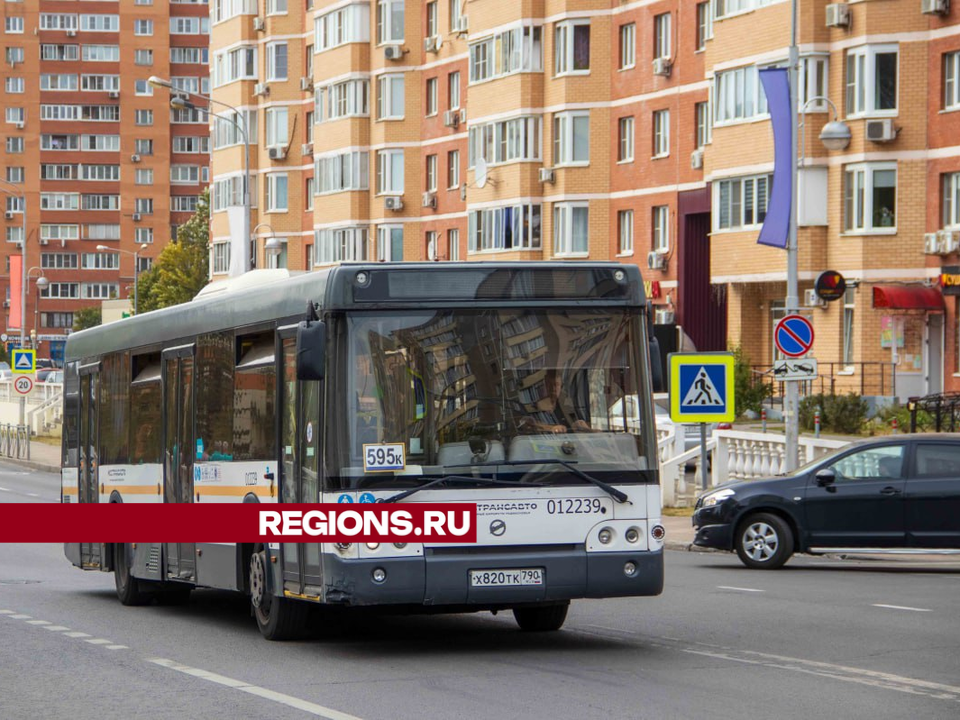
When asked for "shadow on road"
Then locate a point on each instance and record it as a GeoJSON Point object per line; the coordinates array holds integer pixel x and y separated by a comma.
{"type": "Point", "coordinates": [855, 566]}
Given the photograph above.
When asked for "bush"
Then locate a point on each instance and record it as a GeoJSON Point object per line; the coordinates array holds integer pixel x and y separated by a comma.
{"type": "Point", "coordinates": [882, 423]}
{"type": "Point", "coordinates": [749, 391]}
{"type": "Point", "coordinates": [844, 414]}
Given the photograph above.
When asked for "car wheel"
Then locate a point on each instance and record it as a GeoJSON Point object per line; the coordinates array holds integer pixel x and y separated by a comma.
{"type": "Point", "coordinates": [764, 542]}
{"type": "Point", "coordinates": [543, 618]}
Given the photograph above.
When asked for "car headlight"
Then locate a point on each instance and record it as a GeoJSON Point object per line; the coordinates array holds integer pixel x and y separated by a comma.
{"type": "Point", "coordinates": [717, 497]}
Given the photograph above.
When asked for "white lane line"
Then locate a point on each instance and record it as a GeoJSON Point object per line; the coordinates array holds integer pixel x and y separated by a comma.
{"type": "Point", "coordinates": [901, 607]}
{"type": "Point", "coordinates": [6, 612]}
{"type": "Point", "coordinates": [288, 700]}
{"type": "Point", "coordinates": [21, 617]}
{"type": "Point", "coordinates": [55, 628]}
{"type": "Point", "coordinates": [116, 647]}
{"type": "Point", "coordinates": [38, 622]}
{"type": "Point", "coordinates": [99, 641]}
{"type": "Point", "coordinates": [32, 495]}
{"type": "Point", "coordinates": [737, 589]}
{"type": "Point", "coordinates": [76, 635]}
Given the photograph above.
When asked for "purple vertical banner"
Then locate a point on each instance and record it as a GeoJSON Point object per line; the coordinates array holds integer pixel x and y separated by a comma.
{"type": "Point", "coordinates": [776, 225]}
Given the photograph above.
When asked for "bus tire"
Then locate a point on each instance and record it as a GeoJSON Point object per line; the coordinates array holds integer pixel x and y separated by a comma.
{"type": "Point", "coordinates": [277, 618]}
{"type": "Point", "coordinates": [541, 618]}
{"type": "Point", "coordinates": [129, 589]}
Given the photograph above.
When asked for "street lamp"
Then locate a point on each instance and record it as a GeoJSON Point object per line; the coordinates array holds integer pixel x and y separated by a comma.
{"type": "Point", "coordinates": [136, 268]}
{"type": "Point", "coordinates": [273, 245]}
{"type": "Point", "coordinates": [179, 101]}
{"type": "Point", "coordinates": [835, 135]}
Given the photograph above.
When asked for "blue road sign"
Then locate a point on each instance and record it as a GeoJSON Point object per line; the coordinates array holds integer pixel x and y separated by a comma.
{"type": "Point", "coordinates": [701, 387]}
{"type": "Point", "coordinates": [793, 335]}
{"type": "Point", "coordinates": [23, 361]}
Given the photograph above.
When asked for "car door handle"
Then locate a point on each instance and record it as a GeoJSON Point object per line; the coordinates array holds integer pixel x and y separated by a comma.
{"type": "Point", "coordinates": [890, 491]}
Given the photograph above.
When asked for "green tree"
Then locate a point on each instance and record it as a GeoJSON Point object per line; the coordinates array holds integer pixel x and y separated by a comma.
{"type": "Point", "coordinates": [182, 268]}
{"type": "Point", "coordinates": [749, 391]}
{"type": "Point", "coordinates": [87, 317]}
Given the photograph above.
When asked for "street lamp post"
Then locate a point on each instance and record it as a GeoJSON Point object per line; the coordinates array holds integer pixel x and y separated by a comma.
{"type": "Point", "coordinates": [179, 101]}
{"type": "Point", "coordinates": [136, 269]}
{"type": "Point", "coordinates": [272, 247]}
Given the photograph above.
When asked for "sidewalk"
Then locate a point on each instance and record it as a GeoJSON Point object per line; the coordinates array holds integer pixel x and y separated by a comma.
{"type": "Point", "coordinates": [42, 457]}
{"type": "Point", "coordinates": [679, 533]}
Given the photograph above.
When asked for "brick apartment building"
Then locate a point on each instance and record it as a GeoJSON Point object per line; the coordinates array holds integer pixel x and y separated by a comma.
{"type": "Point", "coordinates": [98, 156]}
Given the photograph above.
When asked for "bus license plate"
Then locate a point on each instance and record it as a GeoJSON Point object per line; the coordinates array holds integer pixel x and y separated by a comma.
{"type": "Point", "coordinates": [506, 578]}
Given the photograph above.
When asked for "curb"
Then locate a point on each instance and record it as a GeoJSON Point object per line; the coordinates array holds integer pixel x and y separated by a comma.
{"type": "Point", "coordinates": [687, 547]}
{"type": "Point", "coordinates": [32, 465]}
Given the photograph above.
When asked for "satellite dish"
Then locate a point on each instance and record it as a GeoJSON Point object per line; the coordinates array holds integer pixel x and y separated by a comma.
{"type": "Point", "coordinates": [480, 172]}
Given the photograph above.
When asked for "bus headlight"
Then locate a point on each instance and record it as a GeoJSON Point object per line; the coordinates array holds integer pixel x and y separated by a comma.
{"type": "Point", "coordinates": [632, 535]}
{"type": "Point", "coordinates": [605, 536]}
{"type": "Point", "coordinates": [372, 546]}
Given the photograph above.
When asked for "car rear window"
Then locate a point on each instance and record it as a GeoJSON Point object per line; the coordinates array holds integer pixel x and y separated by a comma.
{"type": "Point", "coordinates": [937, 460]}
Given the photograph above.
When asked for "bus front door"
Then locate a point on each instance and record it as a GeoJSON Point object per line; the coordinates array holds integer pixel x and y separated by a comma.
{"type": "Point", "coordinates": [89, 489]}
{"type": "Point", "coordinates": [178, 453]}
{"type": "Point", "coordinates": [299, 466]}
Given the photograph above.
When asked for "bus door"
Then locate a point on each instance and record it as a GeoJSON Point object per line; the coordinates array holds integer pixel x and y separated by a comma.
{"type": "Point", "coordinates": [88, 482]}
{"type": "Point", "coordinates": [299, 462]}
{"type": "Point", "coordinates": [178, 451]}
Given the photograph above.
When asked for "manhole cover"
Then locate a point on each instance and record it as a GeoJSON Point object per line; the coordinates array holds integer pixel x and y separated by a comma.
{"type": "Point", "coordinates": [19, 581]}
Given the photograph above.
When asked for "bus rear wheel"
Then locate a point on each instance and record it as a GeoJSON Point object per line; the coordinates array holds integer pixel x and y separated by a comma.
{"type": "Point", "coordinates": [128, 587]}
{"type": "Point", "coordinates": [278, 618]}
{"type": "Point", "coordinates": [541, 618]}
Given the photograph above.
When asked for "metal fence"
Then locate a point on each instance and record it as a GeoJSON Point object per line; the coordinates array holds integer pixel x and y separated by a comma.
{"type": "Point", "coordinates": [943, 407]}
{"type": "Point", "coordinates": [865, 378]}
{"type": "Point", "coordinates": [15, 441]}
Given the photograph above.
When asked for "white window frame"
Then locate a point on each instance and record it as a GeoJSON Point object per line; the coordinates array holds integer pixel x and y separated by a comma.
{"type": "Point", "coordinates": [143, 27]}
{"type": "Point", "coordinates": [566, 151]}
{"type": "Point", "coordinates": [738, 96]}
{"type": "Point", "coordinates": [662, 36]}
{"type": "Point", "coordinates": [860, 98]}
{"type": "Point", "coordinates": [384, 22]}
{"type": "Point", "coordinates": [858, 208]}
{"type": "Point", "coordinates": [453, 169]}
{"type": "Point", "coordinates": [453, 90]}
{"type": "Point", "coordinates": [221, 257]}
{"type": "Point", "coordinates": [505, 228]}
{"type": "Point", "coordinates": [273, 194]}
{"type": "Point", "coordinates": [274, 67]}
{"type": "Point", "coordinates": [430, 173]}
{"type": "Point", "coordinates": [433, 97]}
{"type": "Point", "coordinates": [276, 7]}
{"type": "Point", "coordinates": [387, 236]}
{"type": "Point", "coordinates": [275, 135]}
{"type": "Point", "coordinates": [13, 25]}
{"type": "Point", "coordinates": [628, 46]}
{"type": "Point", "coordinates": [703, 124]}
{"type": "Point", "coordinates": [453, 244]}
{"type": "Point", "coordinates": [625, 139]}
{"type": "Point", "coordinates": [704, 24]}
{"type": "Point", "coordinates": [747, 198]}
{"type": "Point", "coordinates": [390, 167]}
{"type": "Point", "coordinates": [563, 48]}
{"type": "Point", "coordinates": [660, 223]}
{"type": "Point", "coordinates": [661, 133]}
{"type": "Point", "coordinates": [814, 82]}
{"type": "Point", "coordinates": [624, 232]}
{"type": "Point", "coordinates": [391, 96]}
{"type": "Point", "coordinates": [951, 80]}
{"type": "Point", "coordinates": [950, 184]}
{"type": "Point", "coordinates": [563, 230]}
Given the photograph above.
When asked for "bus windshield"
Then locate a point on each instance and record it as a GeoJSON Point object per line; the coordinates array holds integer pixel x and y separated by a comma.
{"type": "Point", "coordinates": [506, 390]}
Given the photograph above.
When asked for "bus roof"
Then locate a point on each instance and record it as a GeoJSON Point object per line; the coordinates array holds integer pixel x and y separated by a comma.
{"type": "Point", "coordinates": [264, 296]}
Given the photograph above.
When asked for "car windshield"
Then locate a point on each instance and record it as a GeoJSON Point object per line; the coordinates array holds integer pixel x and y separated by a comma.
{"type": "Point", "coordinates": [508, 390]}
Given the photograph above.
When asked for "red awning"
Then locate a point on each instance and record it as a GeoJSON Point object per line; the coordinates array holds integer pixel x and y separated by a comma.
{"type": "Point", "coordinates": [907, 297]}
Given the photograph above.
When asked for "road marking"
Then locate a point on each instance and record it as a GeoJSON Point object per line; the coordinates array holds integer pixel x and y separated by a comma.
{"type": "Point", "coordinates": [6, 612]}
{"type": "Point", "coordinates": [38, 622]}
{"type": "Point", "coordinates": [3, 489]}
{"type": "Point", "coordinates": [76, 635]}
{"type": "Point", "coordinates": [32, 495]}
{"type": "Point", "coordinates": [737, 589]}
{"type": "Point", "coordinates": [288, 700]}
{"type": "Point", "coordinates": [55, 628]}
{"type": "Point", "coordinates": [21, 617]}
{"type": "Point", "coordinates": [99, 641]}
{"type": "Point", "coordinates": [901, 607]}
{"type": "Point", "coordinates": [116, 647]}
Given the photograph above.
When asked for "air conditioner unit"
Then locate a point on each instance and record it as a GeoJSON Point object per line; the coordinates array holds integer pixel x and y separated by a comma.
{"type": "Point", "coordinates": [934, 7]}
{"type": "Point", "coordinates": [656, 260]}
{"type": "Point", "coordinates": [306, 149]}
{"type": "Point", "coordinates": [838, 15]}
{"type": "Point", "coordinates": [662, 66]}
{"type": "Point", "coordinates": [463, 26]}
{"type": "Point", "coordinates": [8, 215]}
{"type": "Point", "coordinates": [306, 84]}
{"type": "Point", "coordinates": [136, 217]}
{"type": "Point", "coordinates": [71, 33]}
{"type": "Point", "coordinates": [259, 24]}
{"type": "Point", "coordinates": [392, 52]}
{"type": "Point", "coordinates": [135, 158]}
{"type": "Point", "coordinates": [811, 299]}
{"type": "Point", "coordinates": [931, 244]}
{"type": "Point", "coordinates": [44, 241]}
{"type": "Point", "coordinates": [663, 316]}
{"type": "Point", "coordinates": [880, 131]}
{"type": "Point", "coordinates": [276, 153]}
{"type": "Point", "coordinates": [696, 159]}
{"type": "Point", "coordinates": [432, 44]}
{"type": "Point", "coordinates": [18, 125]}
{"type": "Point", "coordinates": [948, 241]}
{"type": "Point", "coordinates": [393, 202]}
{"type": "Point", "coordinates": [451, 118]}
{"type": "Point", "coordinates": [114, 94]}
{"type": "Point", "coordinates": [546, 175]}
{"type": "Point", "coordinates": [430, 200]}
{"type": "Point", "coordinates": [261, 89]}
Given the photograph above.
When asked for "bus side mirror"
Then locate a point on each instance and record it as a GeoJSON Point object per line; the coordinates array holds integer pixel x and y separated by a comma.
{"type": "Point", "coordinates": [311, 350]}
{"type": "Point", "coordinates": [656, 366]}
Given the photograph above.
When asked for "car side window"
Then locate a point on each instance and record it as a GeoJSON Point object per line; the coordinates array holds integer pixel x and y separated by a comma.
{"type": "Point", "coordinates": [871, 463]}
{"type": "Point", "coordinates": [937, 461]}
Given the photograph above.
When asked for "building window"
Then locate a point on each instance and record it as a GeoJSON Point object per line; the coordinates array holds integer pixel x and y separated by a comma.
{"type": "Point", "coordinates": [144, 176]}
{"type": "Point", "coordinates": [849, 298]}
{"type": "Point", "coordinates": [455, 15]}
{"type": "Point", "coordinates": [704, 131]}
{"type": "Point", "coordinates": [571, 138]}
{"type": "Point", "coordinates": [389, 21]}
{"type": "Point", "coordinates": [453, 244]}
{"type": "Point", "coordinates": [625, 145]}
{"type": "Point", "coordinates": [14, 235]}
{"type": "Point", "coordinates": [389, 243]}
{"type": "Point", "coordinates": [14, 174]}
{"type": "Point", "coordinates": [390, 172]}
{"type": "Point", "coordinates": [143, 27]}
{"type": "Point", "coordinates": [704, 24]}
{"type": "Point", "coordinates": [339, 244]}
{"type": "Point", "coordinates": [14, 145]}
{"type": "Point", "coordinates": [16, 115]}
{"type": "Point", "coordinates": [144, 235]}
{"type": "Point", "coordinates": [505, 141]}
{"type": "Point", "coordinates": [142, 87]}
{"type": "Point", "coordinates": [813, 83]}
{"type": "Point", "coordinates": [431, 173]}
{"type": "Point", "coordinates": [870, 197]}
{"type": "Point", "coordinates": [276, 7]}
{"type": "Point", "coordinates": [872, 80]}
{"type": "Point", "coordinates": [572, 47]}
{"type": "Point", "coordinates": [15, 85]}
{"type": "Point", "coordinates": [143, 146]}
{"type": "Point", "coordinates": [144, 206]}
{"type": "Point", "coordinates": [341, 172]}
{"type": "Point", "coordinates": [951, 200]}
{"type": "Point", "coordinates": [518, 49]}
{"type": "Point", "coordinates": [276, 130]}
{"type": "Point", "coordinates": [390, 98]}
{"type": "Point", "coordinates": [350, 98]}
{"type": "Point", "coordinates": [571, 229]}
{"type": "Point", "coordinates": [433, 24]}
{"type": "Point", "coordinates": [276, 190]}
{"type": "Point", "coordinates": [349, 24]}
{"type": "Point", "coordinates": [661, 133]}
{"type": "Point", "coordinates": [951, 80]}
{"type": "Point", "coordinates": [309, 193]}
{"type": "Point", "coordinates": [276, 61]}
{"type": "Point", "coordinates": [67, 261]}
{"type": "Point", "coordinates": [143, 117]}
{"type": "Point", "coordinates": [661, 36]}
{"type": "Point", "coordinates": [432, 100]}
{"type": "Point", "coordinates": [738, 95]}
{"type": "Point", "coordinates": [625, 232]}
{"type": "Point", "coordinates": [13, 24]}
{"type": "Point", "coordinates": [453, 169]}
{"type": "Point", "coordinates": [661, 229]}
{"type": "Point", "coordinates": [221, 257]}
{"type": "Point", "coordinates": [512, 227]}
{"type": "Point", "coordinates": [741, 203]}
{"type": "Point", "coordinates": [628, 46]}
{"type": "Point", "coordinates": [453, 90]}
{"type": "Point", "coordinates": [432, 249]}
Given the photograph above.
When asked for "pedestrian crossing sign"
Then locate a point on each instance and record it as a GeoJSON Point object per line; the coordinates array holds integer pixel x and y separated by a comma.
{"type": "Point", "coordinates": [23, 361]}
{"type": "Point", "coordinates": [701, 387]}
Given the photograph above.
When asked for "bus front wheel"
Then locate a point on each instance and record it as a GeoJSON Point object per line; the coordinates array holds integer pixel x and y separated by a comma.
{"type": "Point", "coordinates": [128, 587]}
{"type": "Point", "coordinates": [278, 618]}
{"type": "Point", "coordinates": [541, 618]}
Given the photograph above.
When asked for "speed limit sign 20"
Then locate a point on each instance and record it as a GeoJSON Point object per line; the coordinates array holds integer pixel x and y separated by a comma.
{"type": "Point", "coordinates": [23, 384]}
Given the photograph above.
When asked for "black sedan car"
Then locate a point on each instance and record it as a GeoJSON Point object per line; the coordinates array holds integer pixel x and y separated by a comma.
{"type": "Point", "coordinates": [892, 495]}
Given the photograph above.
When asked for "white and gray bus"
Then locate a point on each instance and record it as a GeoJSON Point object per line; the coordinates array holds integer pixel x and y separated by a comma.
{"type": "Point", "coordinates": [502, 384]}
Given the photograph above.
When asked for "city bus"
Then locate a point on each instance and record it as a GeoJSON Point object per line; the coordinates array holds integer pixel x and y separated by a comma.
{"type": "Point", "coordinates": [500, 384]}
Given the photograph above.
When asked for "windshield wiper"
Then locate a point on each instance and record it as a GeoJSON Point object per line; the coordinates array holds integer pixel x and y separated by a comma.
{"type": "Point", "coordinates": [617, 495]}
{"type": "Point", "coordinates": [450, 478]}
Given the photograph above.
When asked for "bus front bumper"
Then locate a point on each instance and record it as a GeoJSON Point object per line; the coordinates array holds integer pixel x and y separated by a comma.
{"type": "Point", "coordinates": [435, 580]}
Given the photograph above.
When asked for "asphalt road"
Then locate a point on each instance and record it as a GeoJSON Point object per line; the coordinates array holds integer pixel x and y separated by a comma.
{"type": "Point", "coordinates": [855, 639]}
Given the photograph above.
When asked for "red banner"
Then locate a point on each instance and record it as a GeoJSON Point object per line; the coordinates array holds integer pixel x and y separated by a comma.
{"type": "Point", "coordinates": [16, 283]}
{"type": "Point", "coordinates": [241, 523]}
